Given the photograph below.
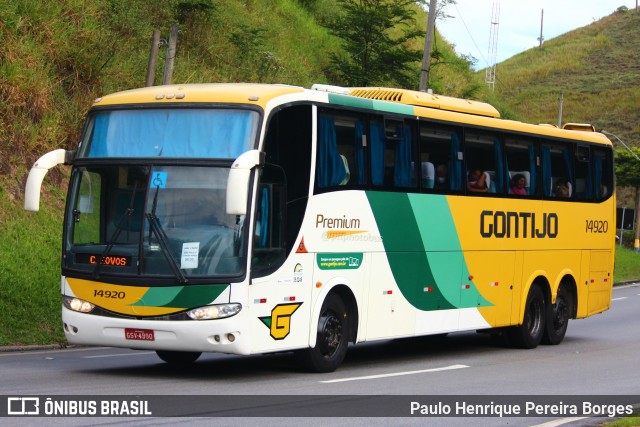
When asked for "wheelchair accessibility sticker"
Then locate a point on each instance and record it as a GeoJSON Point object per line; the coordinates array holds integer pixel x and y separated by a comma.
{"type": "Point", "coordinates": [159, 180]}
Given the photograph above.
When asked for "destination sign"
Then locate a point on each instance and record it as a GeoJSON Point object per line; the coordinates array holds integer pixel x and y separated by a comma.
{"type": "Point", "coordinates": [108, 260]}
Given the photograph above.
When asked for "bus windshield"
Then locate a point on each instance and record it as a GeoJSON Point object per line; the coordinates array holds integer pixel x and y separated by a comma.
{"type": "Point", "coordinates": [170, 132]}
{"type": "Point", "coordinates": [162, 221]}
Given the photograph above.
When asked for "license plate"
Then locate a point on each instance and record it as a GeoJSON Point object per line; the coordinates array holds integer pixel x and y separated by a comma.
{"type": "Point", "coordinates": [139, 334]}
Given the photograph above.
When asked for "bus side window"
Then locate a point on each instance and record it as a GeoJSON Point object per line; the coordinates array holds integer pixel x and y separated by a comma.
{"type": "Point", "coordinates": [377, 149]}
{"type": "Point", "coordinates": [268, 238]}
{"type": "Point", "coordinates": [340, 152]}
{"type": "Point", "coordinates": [483, 152]}
{"type": "Point", "coordinates": [391, 153]}
{"type": "Point", "coordinates": [557, 171]}
{"type": "Point", "coordinates": [602, 173]}
{"type": "Point", "coordinates": [330, 168]}
{"type": "Point", "coordinates": [583, 175]}
{"type": "Point", "coordinates": [399, 153]}
{"type": "Point", "coordinates": [520, 162]}
{"type": "Point", "coordinates": [440, 164]}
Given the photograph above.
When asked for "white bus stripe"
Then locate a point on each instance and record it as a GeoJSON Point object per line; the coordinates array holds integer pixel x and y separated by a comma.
{"type": "Point", "coordinates": [395, 374]}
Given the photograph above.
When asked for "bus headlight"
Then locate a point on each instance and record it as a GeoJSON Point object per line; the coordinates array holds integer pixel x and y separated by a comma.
{"type": "Point", "coordinates": [217, 311]}
{"type": "Point", "coordinates": [76, 304]}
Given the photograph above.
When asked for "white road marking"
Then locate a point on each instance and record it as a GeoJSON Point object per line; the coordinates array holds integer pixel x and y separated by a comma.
{"type": "Point", "coordinates": [561, 421]}
{"type": "Point", "coordinates": [618, 299]}
{"type": "Point", "coordinates": [395, 374]}
{"type": "Point", "coordinates": [138, 353]}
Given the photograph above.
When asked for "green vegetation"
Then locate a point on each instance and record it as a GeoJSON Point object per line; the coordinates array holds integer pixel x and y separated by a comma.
{"type": "Point", "coordinates": [594, 68]}
{"type": "Point", "coordinates": [633, 421]}
{"type": "Point", "coordinates": [627, 265]}
{"type": "Point", "coordinates": [58, 55]}
{"type": "Point", "coordinates": [30, 271]}
{"type": "Point", "coordinates": [373, 55]}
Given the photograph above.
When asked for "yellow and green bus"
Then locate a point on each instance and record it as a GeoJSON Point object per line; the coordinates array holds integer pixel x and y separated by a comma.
{"type": "Point", "coordinates": [250, 218]}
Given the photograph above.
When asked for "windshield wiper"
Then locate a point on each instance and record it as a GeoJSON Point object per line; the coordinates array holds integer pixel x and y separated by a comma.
{"type": "Point", "coordinates": [127, 216]}
{"type": "Point", "coordinates": [155, 227]}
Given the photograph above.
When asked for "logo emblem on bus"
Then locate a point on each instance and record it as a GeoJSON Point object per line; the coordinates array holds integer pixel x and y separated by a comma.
{"type": "Point", "coordinates": [279, 323]}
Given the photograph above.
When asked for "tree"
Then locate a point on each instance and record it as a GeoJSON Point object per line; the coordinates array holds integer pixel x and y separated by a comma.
{"type": "Point", "coordinates": [376, 35]}
{"type": "Point", "coordinates": [628, 175]}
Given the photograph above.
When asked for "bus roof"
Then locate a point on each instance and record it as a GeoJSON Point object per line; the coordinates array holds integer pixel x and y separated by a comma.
{"type": "Point", "coordinates": [241, 93]}
{"type": "Point", "coordinates": [426, 99]}
{"type": "Point", "coordinates": [403, 101]}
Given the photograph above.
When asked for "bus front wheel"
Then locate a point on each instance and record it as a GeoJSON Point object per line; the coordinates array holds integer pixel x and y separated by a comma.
{"type": "Point", "coordinates": [178, 357]}
{"type": "Point", "coordinates": [558, 316]}
{"type": "Point", "coordinates": [331, 339]}
{"type": "Point", "coordinates": [529, 334]}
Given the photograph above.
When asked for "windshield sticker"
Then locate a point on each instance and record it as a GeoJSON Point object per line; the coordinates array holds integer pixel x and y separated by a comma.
{"type": "Point", "coordinates": [346, 261]}
{"type": "Point", "coordinates": [189, 258]}
{"type": "Point", "coordinates": [159, 180]}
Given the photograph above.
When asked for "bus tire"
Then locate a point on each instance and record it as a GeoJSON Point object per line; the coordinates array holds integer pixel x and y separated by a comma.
{"type": "Point", "coordinates": [558, 316]}
{"type": "Point", "coordinates": [529, 334]}
{"type": "Point", "coordinates": [178, 357]}
{"type": "Point", "coordinates": [331, 340]}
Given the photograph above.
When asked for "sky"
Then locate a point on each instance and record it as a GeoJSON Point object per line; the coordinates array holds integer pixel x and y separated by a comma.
{"type": "Point", "coordinates": [518, 23]}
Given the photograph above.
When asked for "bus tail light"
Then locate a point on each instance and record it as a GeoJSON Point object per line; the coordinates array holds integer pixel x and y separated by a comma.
{"type": "Point", "coordinates": [217, 311]}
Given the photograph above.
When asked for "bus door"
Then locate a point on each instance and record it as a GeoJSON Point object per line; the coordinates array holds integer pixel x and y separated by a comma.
{"type": "Point", "coordinates": [280, 286]}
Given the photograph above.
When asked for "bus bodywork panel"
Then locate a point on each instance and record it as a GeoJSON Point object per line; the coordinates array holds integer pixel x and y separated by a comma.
{"type": "Point", "coordinates": [144, 300]}
{"type": "Point", "coordinates": [140, 308]}
{"type": "Point", "coordinates": [435, 257]}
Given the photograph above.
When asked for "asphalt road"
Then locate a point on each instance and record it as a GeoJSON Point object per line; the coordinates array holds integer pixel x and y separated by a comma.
{"type": "Point", "coordinates": [599, 356]}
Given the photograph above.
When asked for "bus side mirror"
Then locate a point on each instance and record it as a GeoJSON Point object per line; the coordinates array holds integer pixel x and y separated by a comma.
{"type": "Point", "coordinates": [238, 181]}
{"type": "Point", "coordinates": [38, 172]}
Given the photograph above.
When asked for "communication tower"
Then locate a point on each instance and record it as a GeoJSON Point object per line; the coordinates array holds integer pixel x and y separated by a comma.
{"type": "Point", "coordinates": [493, 45]}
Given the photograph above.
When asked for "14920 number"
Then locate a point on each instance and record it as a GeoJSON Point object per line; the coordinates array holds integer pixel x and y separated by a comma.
{"type": "Point", "coordinates": [597, 226]}
{"type": "Point", "coordinates": [108, 294]}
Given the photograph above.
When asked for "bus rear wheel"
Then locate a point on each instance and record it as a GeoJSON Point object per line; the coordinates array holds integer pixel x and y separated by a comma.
{"type": "Point", "coordinates": [529, 334]}
{"type": "Point", "coordinates": [331, 339]}
{"type": "Point", "coordinates": [178, 357]}
{"type": "Point", "coordinates": [558, 316]}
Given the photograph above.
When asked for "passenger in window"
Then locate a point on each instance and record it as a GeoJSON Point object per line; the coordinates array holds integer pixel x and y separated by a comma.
{"type": "Point", "coordinates": [518, 185]}
{"type": "Point", "coordinates": [562, 188]}
{"type": "Point", "coordinates": [441, 177]}
{"type": "Point", "coordinates": [603, 191]}
{"type": "Point", "coordinates": [476, 181]}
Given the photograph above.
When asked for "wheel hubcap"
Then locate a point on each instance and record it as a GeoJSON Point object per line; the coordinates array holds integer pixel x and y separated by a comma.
{"type": "Point", "coordinates": [330, 334]}
{"type": "Point", "coordinates": [560, 313]}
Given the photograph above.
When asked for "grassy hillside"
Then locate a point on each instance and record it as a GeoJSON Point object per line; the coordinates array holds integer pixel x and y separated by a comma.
{"type": "Point", "coordinates": [596, 68]}
{"type": "Point", "coordinates": [58, 55]}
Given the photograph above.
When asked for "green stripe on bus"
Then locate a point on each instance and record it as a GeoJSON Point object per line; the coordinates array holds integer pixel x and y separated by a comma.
{"type": "Point", "coordinates": [181, 296]}
{"type": "Point", "coordinates": [371, 104]}
{"type": "Point", "coordinates": [405, 250]}
{"type": "Point", "coordinates": [423, 250]}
